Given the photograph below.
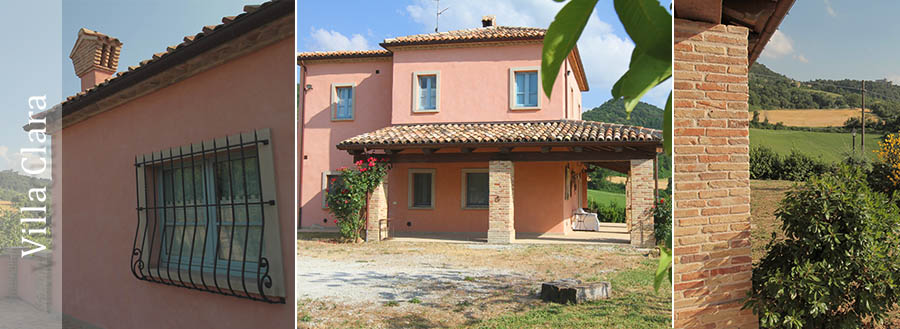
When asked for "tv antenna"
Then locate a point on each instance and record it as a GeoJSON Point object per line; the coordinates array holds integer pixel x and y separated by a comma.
{"type": "Point", "coordinates": [437, 14]}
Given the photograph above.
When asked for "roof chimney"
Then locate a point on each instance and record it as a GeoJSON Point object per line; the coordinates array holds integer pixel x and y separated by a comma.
{"type": "Point", "coordinates": [488, 21]}
{"type": "Point", "coordinates": [95, 57]}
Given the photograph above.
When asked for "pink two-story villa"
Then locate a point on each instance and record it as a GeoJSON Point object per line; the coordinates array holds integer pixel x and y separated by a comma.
{"type": "Point", "coordinates": [475, 144]}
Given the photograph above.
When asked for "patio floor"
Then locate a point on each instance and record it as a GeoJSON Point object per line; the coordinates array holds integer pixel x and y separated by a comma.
{"type": "Point", "coordinates": [610, 233]}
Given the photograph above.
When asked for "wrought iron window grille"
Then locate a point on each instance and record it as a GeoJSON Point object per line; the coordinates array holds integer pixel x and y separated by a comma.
{"type": "Point", "coordinates": [207, 218]}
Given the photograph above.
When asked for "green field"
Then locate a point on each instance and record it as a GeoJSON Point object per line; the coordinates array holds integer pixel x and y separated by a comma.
{"type": "Point", "coordinates": [829, 146]}
{"type": "Point", "coordinates": [604, 197]}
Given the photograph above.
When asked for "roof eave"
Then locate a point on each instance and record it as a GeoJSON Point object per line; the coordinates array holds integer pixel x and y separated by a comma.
{"type": "Point", "coordinates": [180, 55]}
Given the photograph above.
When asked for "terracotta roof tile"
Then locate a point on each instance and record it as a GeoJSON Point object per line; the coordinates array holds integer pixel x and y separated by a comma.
{"type": "Point", "coordinates": [536, 132]}
{"type": "Point", "coordinates": [187, 41]}
{"type": "Point", "coordinates": [342, 54]}
{"type": "Point", "coordinates": [481, 34]}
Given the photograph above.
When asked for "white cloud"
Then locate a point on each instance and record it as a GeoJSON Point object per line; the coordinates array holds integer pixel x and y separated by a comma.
{"type": "Point", "coordinates": [830, 9]}
{"type": "Point", "coordinates": [895, 78]}
{"type": "Point", "coordinates": [605, 55]}
{"type": "Point", "coordinates": [330, 40]}
{"type": "Point", "coordinates": [33, 161]}
{"type": "Point", "coordinates": [781, 45]}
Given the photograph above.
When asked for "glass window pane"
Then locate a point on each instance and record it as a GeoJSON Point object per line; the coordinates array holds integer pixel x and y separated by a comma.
{"type": "Point", "coordinates": [477, 189]}
{"type": "Point", "coordinates": [427, 92]}
{"type": "Point", "coordinates": [233, 248]}
{"type": "Point", "coordinates": [422, 189]}
{"type": "Point", "coordinates": [345, 102]}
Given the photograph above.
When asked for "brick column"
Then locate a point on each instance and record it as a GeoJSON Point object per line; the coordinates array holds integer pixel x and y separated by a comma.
{"type": "Point", "coordinates": [712, 178]}
{"type": "Point", "coordinates": [639, 192]}
{"type": "Point", "coordinates": [501, 227]}
{"type": "Point", "coordinates": [377, 210]}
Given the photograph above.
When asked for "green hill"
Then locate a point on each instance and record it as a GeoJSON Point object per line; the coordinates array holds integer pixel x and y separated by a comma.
{"type": "Point", "coordinates": [613, 111]}
{"type": "Point", "coordinates": [14, 186]}
{"type": "Point", "coordinates": [831, 147]}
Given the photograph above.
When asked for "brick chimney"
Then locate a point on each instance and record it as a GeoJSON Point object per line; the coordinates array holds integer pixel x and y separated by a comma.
{"type": "Point", "coordinates": [95, 57]}
{"type": "Point", "coordinates": [488, 21]}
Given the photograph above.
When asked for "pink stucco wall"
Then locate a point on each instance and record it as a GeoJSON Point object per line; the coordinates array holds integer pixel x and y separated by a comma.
{"type": "Point", "coordinates": [474, 84]}
{"type": "Point", "coordinates": [251, 92]}
{"type": "Point", "coordinates": [321, 134]}
{"type": "Point", "coordinates": [539, 200]}
{"type": "Point", "coordinates": [474, 87]}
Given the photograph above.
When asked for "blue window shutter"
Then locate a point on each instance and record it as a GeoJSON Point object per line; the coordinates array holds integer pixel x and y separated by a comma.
{"type": "Point", "coordinates": [532, 89]}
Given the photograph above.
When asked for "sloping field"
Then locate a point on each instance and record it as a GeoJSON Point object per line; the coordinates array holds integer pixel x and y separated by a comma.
{"type": "Point", "coordinates": [829, 146]}
{"type": "Point", "coordinates": [812, 117]}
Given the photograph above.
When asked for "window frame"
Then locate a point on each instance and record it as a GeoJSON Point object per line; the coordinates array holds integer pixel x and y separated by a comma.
{"type": "Point", "coordinates": [411, 187]}
{"type": "Point", "coordinates": [415, 91]}
{"type": "Point", "coordinates": [465, 187]}
{"type": "Point", "coordinates": [146, 264]}
{"type": "Point", "coordinates": [325, 175]}
{"type": "Point", "coordinates": [335, 100]}
{"type": "Point", "coordinates": [512, 88]}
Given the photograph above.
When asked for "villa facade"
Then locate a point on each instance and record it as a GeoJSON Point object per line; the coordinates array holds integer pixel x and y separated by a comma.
{"type": "Point", "coordinates": [475, 144]}
{"type": "Point", "coordinates": [177, 205]}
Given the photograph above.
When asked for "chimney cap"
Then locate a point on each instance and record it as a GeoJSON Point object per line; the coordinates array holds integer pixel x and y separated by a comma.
{"type": "Point", "coordinates": [488, 21]}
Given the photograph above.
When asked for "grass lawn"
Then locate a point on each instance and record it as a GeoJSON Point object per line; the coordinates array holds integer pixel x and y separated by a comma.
{"type": "Point", "coordinates": [634, 306]}
{"type": "Point", "coordinates": [605, 197]}
{"type": "Point", "coordinates": [829, 146]}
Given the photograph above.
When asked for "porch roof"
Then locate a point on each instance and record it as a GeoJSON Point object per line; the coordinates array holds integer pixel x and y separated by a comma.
{"type": "Point", "coordinates": [500, 134]}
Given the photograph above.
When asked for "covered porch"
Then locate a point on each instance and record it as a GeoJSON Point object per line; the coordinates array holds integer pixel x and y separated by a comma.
{"type": "Point", "coordinates": [534, 174]}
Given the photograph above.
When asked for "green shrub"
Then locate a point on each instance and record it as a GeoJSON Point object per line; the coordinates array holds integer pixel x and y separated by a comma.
{"type": "Point", "coordinates": [767, 164]}
{"type": "Point", "coordinates": [838, 263]}
{"type": "Point", "coordinates": [799, 167]}
{"type": "Point", "coordinates": [764, 163]}
{"type": "Point", "coordinates": [662, 222]}
{"type": "Point", "coordinates": [610, 212]}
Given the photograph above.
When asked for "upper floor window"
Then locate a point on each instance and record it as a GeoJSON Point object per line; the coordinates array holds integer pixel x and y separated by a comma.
{"type": "Point", "coordinates": [524, 89]}
{"type": "Point", "coordinates": [343, 98]}
{"type": "Point", "coordinates": [426, 91]}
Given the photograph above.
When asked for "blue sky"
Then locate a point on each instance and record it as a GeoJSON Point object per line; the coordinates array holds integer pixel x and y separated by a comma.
{"type": "Point", "coordinates": [837, 39]}
{"type": "Point", "coordinates": [41, 64]}
{"type": "Point", "coordinates": [31, 68]}
{"type": "Point", "coordinates": [605, 47]}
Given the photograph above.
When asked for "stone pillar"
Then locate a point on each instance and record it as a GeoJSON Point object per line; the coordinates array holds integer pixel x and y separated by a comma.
{"type": "Point", "coordinates": [639, 211]}
{"type": "Point", "coordinates": [712, 175]}
{"type": "Point", "coordinates": [501, 227]}
{"type": "Point", "coordinates": [377, 211]}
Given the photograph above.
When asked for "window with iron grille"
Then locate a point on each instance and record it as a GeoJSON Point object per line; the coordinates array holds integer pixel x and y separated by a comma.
{"type": "Point", "coordinates": [207, 218]}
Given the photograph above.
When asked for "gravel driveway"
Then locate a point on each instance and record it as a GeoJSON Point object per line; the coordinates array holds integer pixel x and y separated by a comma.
{"type": "Point", "coordinates": [376, 281]}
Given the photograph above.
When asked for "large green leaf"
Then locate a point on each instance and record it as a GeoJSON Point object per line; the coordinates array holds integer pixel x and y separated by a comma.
{"type": "Point", "coordinates": [664, 267]}
{"type": "Point", "coordinates": [649, 25]}
{"type": "Point", "coordinates": [644, 73]}
{"type": "Point", "coordinates": [561, 37]}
